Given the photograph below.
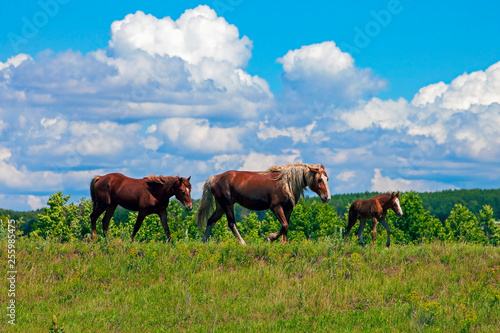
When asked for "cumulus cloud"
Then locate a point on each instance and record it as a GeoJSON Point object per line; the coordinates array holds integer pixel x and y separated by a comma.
{"type": "Point", "coordinates": [197, 34]}
{"type": "Point", "coordinates": [387, 114]}
{"type": "Point", "coordinates": [153, 67]}
{"type": "Point", "coordinates": [198, 135]}
{"type": "Point", "coordinates": [462, 116]}
{"type": "Point", "coordinates": [324, 74]}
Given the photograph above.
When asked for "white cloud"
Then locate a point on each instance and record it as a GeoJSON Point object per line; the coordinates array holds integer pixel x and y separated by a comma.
{"type": "Point", "coordinates": [386, 184]}
{"type": "Point", "coordinates": [260, 161]}
{"type": "Point", "coordinates": [153, 67]}
{"type": "Point", "coordinates": [21, 179]}
{"type": "Point", "coordinates": [324, 74]}
{"type": "Point", "coordinates": [476, 88]}
{"type": "Point", "coordinates": [387, 114]}
{"type": "Point", "coordinates": [36, 202]}
{"type": "Point", "coordinates": [15, 61]}
{"type": "Point", "coordinates": [316, 60]}
{"type": "Point", "coordinates": [346, 176]}
{"type": "Point", "coordinates": [199, 135]}
{"type": "Point", "coordinates": [198, 34]}
{"type": "Point", "coordinates": [296, 134]}
{"type": "Point", "coordinates": [428, 94]}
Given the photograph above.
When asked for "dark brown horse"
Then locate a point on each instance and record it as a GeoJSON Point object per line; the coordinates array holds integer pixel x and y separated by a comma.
{"type": "Point", "coordinates": [279, 188]}
{"type": "Point", "coordinates": [149, 195]}
{"type": "Point", "coordinates": [375, 209]}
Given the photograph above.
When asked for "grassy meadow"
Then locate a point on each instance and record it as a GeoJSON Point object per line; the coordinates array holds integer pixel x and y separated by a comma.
{"type": "Point", "coordinates": [110, 285]}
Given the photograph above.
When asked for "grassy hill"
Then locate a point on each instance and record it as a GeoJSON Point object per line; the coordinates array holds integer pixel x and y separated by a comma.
{"type": "Point", "coordinates": [118, 286]}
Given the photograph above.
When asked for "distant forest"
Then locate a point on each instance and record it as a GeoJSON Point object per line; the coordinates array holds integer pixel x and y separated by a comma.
{"type": "Point", "coordinates": [438, 204]}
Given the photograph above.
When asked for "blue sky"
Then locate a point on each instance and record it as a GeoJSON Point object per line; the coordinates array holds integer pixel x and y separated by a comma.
{"type": "Point", "coordinates": [388, 95]}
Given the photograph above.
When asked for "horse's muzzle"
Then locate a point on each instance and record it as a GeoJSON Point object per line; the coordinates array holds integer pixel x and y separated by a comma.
{"type": "Point", "coordinates": [189, 208]}
{"type": "Point", "coordinates": [325, 199]}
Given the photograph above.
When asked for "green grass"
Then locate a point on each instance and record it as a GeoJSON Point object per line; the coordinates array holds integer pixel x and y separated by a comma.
{"type": "Point", "coordinates": [115, 286]}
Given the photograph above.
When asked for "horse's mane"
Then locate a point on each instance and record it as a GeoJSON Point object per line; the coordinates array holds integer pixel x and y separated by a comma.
{"type": "Point", "coordinates": [162, 180]}
{"type": "Point", "coordinates": [382, 195]}
{"type": "Point", "coordinates": [294, 177]}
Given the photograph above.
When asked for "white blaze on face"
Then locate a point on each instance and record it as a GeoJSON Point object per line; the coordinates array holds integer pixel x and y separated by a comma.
{"type": "Point", "coordinates": [325, 181]}
{"type": "Point", "coordinates": [398, 205]}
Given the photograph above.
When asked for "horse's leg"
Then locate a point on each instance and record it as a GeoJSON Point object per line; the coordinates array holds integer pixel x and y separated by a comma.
{"type": "Point", "coordinates": [164, 222]}
{"type": "Point", "coordinates": [107, 217]}
{"type": "Point", "coordinates": [231, 223]}
{"type": "Point", "coordinates": [284, 239]}
{"type": "Point", "coordinates": [280, 214]}
{"type": "Point", "coordinates": [96, 212]}
{"type": "Point", "coordinates": [362, 223]}
{"type": "Point", "coordinates": [374, 231]}
{"type": "Point", "coordinates": [388, 229]}
{"type": "Point", "coordinates": [140, 217]}
{"type": "Point", "coordinates": [351, 222]}
{"type": "Point", "coordinates": [211, 221]}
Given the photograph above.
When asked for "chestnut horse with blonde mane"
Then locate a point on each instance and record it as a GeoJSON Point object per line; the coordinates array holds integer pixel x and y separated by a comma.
{"type": "Point", "coordinates": [278, 188]}
{"type": "Point", "coordinates": [149, 195]}
{"type": "Point", "coordinates": [376, 209]}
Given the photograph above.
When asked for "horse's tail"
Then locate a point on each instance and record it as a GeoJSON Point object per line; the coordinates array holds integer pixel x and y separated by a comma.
{"type": "Point", "coordinates": [353, 215]}
{"type": "Point", "coordinates": [206, 208]}
{"type": "Point", "coordinates": [92, 190]}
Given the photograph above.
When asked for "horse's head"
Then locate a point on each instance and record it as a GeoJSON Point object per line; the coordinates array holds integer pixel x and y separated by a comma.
{"type": "Point", "coordinates": [319, 183]}
{"type": "Point", "coordinates": [182, 188]}
{"type": "Point", "coordinates": [395, 205]}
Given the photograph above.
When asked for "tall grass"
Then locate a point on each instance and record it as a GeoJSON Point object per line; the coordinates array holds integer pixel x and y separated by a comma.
{"type": "Point", "coordinates": [114, 286]}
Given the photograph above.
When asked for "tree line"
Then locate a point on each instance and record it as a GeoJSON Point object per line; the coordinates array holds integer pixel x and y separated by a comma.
{"type": "Point", "coordinates": [310, 220]}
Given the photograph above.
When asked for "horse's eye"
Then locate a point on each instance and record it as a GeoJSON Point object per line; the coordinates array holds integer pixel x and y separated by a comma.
{"type": "Point", "coordinates": [320, 180]}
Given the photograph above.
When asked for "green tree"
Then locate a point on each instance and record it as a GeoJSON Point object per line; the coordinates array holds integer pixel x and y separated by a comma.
{"type": "Point", "coordinates": [490, 228]}
{"type": "Point", "coordinates": [462, 225]}
{"type": "Point", "coordinates": [417, 223]}
{"type": "Point", "coordinates": [59, 219]}
{"type": "Point", "coordinates": [327, 223]}
{"type": "Point", "coordinates": [249, 227]}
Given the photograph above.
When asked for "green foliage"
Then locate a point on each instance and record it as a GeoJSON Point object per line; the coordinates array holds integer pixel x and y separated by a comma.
{"type": "Point", "coordinates": [60, 220]}
{"type": "Point", "coordinates": [416, 224]}
{"type": "Point", "coordinates": [310, 220]}
{"type": "Point", "coordinates": [462, 225]}
{"type": "Point", "coordinates": [24, 220]}
{"type": "Point", "coordinates": [249, 228]}
{"type": "Point", "coordinates": [488, 224]}
{"type": "Point", "coordinates": [181, 224]}
{"type": "Point", "coordinates": [3, 226]}
{"type": "Point", "coordinates": [441, 203]}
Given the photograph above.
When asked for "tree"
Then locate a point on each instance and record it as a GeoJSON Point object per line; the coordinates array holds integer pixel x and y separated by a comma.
{"type": "Point", "coordinates": [59, 220]}
{"type": "Point", "coordinates": [462, 225]}
{"type": "Point", "coordinates": [416, 223]}
{"type": "Point", "coordinates": [490, 228]}
{"type": "Point", "coordinates": [249, 227]}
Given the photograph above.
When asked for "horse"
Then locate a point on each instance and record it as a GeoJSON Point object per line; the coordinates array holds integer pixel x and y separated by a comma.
{"type": "Point", "coordinates": [376, 209]}
{"type": "Point", "coordinates": [278, 188]}
{"type": "Point", "coordinates": [149, 195]}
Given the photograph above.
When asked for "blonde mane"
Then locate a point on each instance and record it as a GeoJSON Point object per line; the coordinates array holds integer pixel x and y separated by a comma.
{"type": "Point", "coordinates": [294, 177]}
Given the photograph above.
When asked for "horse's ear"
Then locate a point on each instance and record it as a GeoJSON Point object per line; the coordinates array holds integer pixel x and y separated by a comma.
{"type": "Point", "coordinates": [313, 169]}
{"type": "Point", "coordinates": [393, 194]}
{"type": "Point", "coordinates": [397, 195]}
{"type": "Point", "coordinates": [189, 178]}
